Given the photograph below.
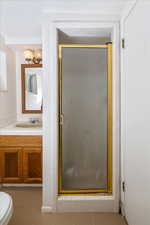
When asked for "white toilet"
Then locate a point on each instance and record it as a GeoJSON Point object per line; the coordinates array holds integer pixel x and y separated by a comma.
{"type": "Point", "coordinates": [6, 208]}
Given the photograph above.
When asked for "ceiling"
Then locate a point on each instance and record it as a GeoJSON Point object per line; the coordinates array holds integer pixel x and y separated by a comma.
{"type": "Point", "coordinates": [65, 1]}
{"type": "Point", "coordinates": [21, 20]}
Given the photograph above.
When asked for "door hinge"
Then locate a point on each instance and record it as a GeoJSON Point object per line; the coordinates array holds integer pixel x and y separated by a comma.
{"type": "Point", "coordinates": [123, 186]}
{"type": "Point", "coordinates": [123, 43]}
{"type": "Point", "coordinates": [61, 119]}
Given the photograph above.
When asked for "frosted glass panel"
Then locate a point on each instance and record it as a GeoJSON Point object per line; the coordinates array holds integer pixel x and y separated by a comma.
{"type": "Point", "coordinates": [84, 130]}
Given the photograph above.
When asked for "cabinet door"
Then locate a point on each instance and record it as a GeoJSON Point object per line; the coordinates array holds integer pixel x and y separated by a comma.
{"type": "Point", "coordinates": [11, 165]}
{"type": "Point", "coordinates": [32, 165]}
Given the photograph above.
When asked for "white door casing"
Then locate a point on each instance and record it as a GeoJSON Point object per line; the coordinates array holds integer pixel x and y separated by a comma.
{"type": "Point", "coordinates": [51, 201]}
{"type": "Point", "coordinates": [126, 13]}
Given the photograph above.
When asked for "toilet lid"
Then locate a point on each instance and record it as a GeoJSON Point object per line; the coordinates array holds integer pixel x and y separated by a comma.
{"type": "Point", "coordinates": [5, 202]}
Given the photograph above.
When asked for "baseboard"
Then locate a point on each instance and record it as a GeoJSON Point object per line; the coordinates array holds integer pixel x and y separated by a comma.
{"type": "Point", "coordinates": [46, 209]}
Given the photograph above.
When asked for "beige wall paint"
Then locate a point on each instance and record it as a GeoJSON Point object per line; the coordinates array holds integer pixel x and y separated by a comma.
{"type": "Point", "coordinates": [8, 98]}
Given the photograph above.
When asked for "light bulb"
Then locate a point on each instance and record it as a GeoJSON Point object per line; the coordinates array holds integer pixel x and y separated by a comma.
{"type": "Point", "coordinates": [28, 55]}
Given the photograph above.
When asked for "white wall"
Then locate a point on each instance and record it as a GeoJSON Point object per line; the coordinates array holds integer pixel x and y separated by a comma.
{"type": "Point", "coordinates": [136, 117]}
{"type": "Point", "coordinates": [8, 98]}
{"type": "Point", "coordinates": [21, 116]}
{"type": "Point", "coordinates": [31, 13]}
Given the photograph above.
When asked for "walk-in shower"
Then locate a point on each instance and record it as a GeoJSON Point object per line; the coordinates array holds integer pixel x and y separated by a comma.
{"type": "Point", "coordinates": [85, 118]}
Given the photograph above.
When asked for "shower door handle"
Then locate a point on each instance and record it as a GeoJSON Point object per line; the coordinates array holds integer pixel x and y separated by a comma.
{"type": "Point", "coordinates": [61, 119]}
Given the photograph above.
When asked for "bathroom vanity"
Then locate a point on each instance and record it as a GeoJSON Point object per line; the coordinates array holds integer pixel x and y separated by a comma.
{"type": "Point", "coordinates": [20, 155]}
{"type": "Point", "coordinates": [21, 143]}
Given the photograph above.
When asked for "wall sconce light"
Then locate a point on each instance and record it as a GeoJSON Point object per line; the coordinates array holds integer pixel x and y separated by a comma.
{"type": "Point", "coordinates": [37, 56]}
{"type": "Point", "coordinates": [33, 56]}
{"type": "Point", "coordinates": [28, 55]}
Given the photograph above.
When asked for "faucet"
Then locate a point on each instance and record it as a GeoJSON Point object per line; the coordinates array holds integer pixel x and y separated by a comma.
{"type": "Point", "coordinates": [35, 120]}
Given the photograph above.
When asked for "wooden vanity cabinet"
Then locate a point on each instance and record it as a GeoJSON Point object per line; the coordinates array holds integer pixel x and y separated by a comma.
{"type": "Point", "coordinates": [32, 164]}
{"type": "Point", "coordinates": [11, 165]}
{"type": "Point", "coordinates": [20, 159]}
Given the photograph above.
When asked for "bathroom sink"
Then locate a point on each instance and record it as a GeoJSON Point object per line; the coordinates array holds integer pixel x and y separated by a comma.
{"type": "Point", "coordinates": [29, 124]}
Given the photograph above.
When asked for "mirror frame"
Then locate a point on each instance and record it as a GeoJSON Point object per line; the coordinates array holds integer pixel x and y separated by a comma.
{"type": "Point", "coordinates": [23, 67]}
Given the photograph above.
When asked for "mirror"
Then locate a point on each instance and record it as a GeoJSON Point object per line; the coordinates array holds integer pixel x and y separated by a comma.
{"type": "Point", "coordinates": [31, 75]}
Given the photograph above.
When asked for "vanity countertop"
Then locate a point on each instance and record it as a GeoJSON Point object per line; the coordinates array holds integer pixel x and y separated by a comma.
{"type": "Point", "coordinates": [13, 130]}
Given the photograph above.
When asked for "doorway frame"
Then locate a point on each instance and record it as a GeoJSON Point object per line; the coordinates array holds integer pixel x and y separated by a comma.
{"type": "Point", "coordinates": [52, 202]}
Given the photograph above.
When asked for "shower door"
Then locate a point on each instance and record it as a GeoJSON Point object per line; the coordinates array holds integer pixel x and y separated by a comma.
{"type": "Point", "coordinates": [85, 119]}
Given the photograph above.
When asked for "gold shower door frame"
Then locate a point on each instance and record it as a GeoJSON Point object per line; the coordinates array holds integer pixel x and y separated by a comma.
{"type": "Point", "coordinates": [107, 191]}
